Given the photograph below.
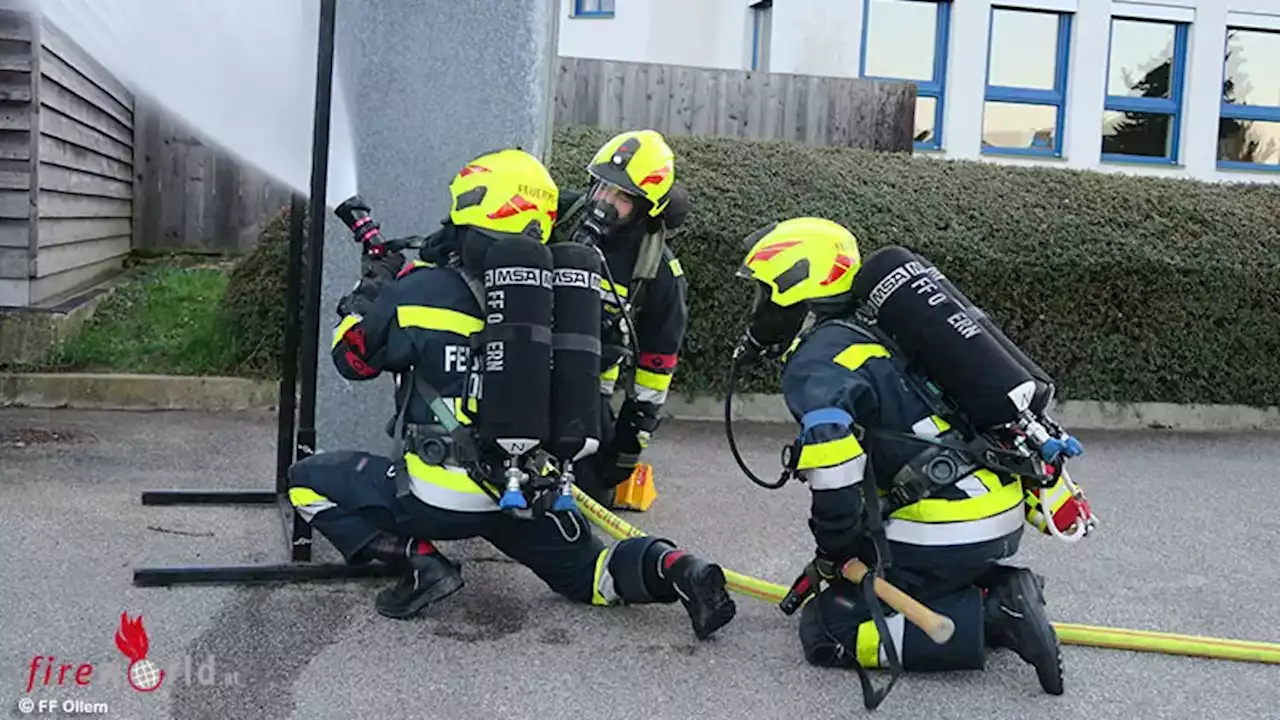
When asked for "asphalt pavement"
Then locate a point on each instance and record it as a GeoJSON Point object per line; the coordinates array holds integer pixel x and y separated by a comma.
{"type": "Point", "coordinates": [1188, 543]}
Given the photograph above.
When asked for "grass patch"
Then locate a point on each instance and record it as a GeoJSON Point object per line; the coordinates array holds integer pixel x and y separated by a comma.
{"type": "Point", "coordinates": [167, 320]}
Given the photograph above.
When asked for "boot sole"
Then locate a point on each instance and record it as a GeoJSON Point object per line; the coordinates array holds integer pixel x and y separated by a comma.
{"type": "Point", "coordinates": [710, 607]}
{"type": "Point", "coordinates": [1028, 590]}
{"type": "Point", "coordinates": [442, 589]}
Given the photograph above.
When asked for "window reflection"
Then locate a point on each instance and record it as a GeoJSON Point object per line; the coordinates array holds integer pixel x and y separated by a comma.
{"type": "Point", "coordinates": [1253, 68]}
{"type": "Point", "coordinates": [1141, 58]}
{"type": "Point", "coordinates": [1250, 141]}
{"type": "Point", "coordinates": [901, 37]}
{"type": "Point", "coordinates": [926, 109]}
{"type": "Point", "coordinates": [1133, 133]}
{"type": "Point", "coordinates": [1024, 49]}
{"type": "Point", "coordinates": [1018, 125]}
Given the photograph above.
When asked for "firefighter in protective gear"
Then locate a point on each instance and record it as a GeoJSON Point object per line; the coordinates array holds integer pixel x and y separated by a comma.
{"type": "Point", "coordinates": [414, 320]}
{"type": "Point", "coordinates": [850, 396]}
{"type": "Point", "coordinates": [631, 208]}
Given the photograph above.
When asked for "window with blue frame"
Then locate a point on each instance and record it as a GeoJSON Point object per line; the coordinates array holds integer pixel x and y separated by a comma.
{"type": "Point", "coordinates": [761, 31]}
{"type": "Point", "coordinates": [593, 8]}
{"type": "Point", "coordinates": [1142, 119]}
{"type": "Point", "coordinates": [906, 40]}
{"type": "Point", "coordinates": [1027, 63]}
{"type": "Point", "coordinates": [1249, 126]}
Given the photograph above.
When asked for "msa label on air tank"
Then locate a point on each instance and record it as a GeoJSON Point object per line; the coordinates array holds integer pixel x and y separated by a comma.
{"type": "Point", "coordinates": [573, 277]}
{"type": "Point", "coordinates": [536, 277]}
{"type": "Point", "coordinates": [894, 280]}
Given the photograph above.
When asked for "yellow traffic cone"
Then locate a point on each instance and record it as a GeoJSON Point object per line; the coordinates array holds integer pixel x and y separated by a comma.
{"type": "Point", "coordinates": [638, 491]}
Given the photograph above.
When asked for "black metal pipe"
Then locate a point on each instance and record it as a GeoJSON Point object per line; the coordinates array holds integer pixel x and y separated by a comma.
{"type": "Point", "coordinates": [315, 240]}
{"type": "Point", "coordinates": [208, 497]}
{"type": "Point", "coordinates": [306, 443]}
{"type": "Point", "coordinates": [238, 574]}
{"type": "Point", "coordinates": [287, 421]}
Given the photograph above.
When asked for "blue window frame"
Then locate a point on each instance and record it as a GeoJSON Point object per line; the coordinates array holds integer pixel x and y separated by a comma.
{"type": "Point", "coordinates": [1027, 64]}
{"type": "Point", "coordinates": [761, 30]}
{"type": "Point", "coordinates": [1249, 132]}
{"type": "Point", "coordinates": [593, 8]}
{"type": "Point", "coordinates": [889, 53]}
{"type": "Point", "coordinates": [1142, 117]}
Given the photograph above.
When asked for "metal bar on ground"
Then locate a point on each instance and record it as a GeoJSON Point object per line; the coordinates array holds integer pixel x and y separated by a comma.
{"type": "Point", "coordinates": [284, 572]}
{"type": "Point", "coordinates": [1068, 633]}
{"type": "Point", "coordinates": [208, 497]}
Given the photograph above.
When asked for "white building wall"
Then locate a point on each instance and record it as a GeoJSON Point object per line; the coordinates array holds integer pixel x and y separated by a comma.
{"type": "Point", "coordinates": [825, 37]}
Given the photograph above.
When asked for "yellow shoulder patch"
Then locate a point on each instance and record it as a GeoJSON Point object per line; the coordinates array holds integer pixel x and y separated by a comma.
{"type": "Point", "coordinates": [676, 270]}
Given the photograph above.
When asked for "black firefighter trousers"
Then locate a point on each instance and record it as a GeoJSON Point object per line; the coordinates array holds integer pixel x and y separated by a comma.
{"type": "Point", "coordinates": [837, 629]}
{"type": "Point", "coordinates": [349, 498]}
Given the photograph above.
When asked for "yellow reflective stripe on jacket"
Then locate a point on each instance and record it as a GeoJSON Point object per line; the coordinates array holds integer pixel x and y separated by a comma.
{"type": "Point", "coordinates": [652, 380]}
{"type": "Point", "coordinates": [447, 488]}
{"type": "Point", "coordinates": [610, 288]}
{"type": "Point", "coordinates": [855, 355]}
{"type": "Point", "coordinates": [609, 379]}
{"type": "Point", "coordinates": [998, 499]}
{"type": "Point", "coordinates": [829, 453]}
{"type": "Point", "coordinates": [429, 318]}
{"type": "Point", "coordinates": [347, 323]}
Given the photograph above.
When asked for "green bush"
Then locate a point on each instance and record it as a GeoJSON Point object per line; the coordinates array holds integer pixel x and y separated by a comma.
{"type": "Point", "coordinates": [1123, 288]}
{"type": "Point", "coordinates": [254, 303]}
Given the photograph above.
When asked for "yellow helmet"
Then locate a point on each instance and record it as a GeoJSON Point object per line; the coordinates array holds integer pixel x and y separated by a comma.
{"type": "Point", "coordinates": [640, 163]}
{"type": "Point", "coordinates": [508, 192]}
{"type": "Point", "coordinates": [802, 259]}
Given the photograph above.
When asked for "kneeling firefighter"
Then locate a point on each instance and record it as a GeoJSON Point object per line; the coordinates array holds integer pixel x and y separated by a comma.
{"type": "Point", "coordinates": [925, 447]}
{"type": "Point", "coordinates": [494, 340]}
{"type": "Point", "coordinates": [632, 207]}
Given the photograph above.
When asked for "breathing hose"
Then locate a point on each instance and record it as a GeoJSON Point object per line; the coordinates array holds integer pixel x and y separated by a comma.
{"type": "Point", "coordinates": [728, 426]}
{"type": "Point", "coordinates": [1068, 633]}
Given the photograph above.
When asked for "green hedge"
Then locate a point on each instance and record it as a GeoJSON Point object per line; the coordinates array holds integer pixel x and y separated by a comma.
{"type": "Point", "coordinates": [254, 303]}
{"type": "Point", "coordinates": [1123, 288]}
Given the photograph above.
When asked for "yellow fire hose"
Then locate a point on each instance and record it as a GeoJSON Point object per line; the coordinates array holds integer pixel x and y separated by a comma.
{"type": "Point", "coordinates": [1086, 635]}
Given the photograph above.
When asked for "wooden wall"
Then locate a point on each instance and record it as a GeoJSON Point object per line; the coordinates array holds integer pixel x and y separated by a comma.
{"type": "Point", "coordinates": [17, 87]}
{"type": "Point", "coordinates": [680, 100]}
{"type": "Point", "coordinates": [85, 172]}
{"type": "Point", "coordinates": [192, 197]}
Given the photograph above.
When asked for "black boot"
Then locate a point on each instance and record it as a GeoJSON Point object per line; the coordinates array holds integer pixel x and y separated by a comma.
{"type": "Point", "coordinates": [700, 585]}
{"type": "Point", "coordinates": [1016, 619]}
{"type": "Point", "coordinates": [428, 577]}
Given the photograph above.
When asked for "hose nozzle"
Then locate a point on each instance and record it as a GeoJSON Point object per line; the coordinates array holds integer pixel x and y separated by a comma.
{"type": "Point", "coordinates": [354, 213]}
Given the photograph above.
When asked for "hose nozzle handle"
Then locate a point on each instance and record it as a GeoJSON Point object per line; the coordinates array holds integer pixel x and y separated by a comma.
{"type": "Point", "coordinates": [354, 213]}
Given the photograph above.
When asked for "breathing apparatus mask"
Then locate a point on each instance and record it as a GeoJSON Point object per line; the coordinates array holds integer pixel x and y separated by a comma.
{"type": "Point", "coordinates": [605, 220]}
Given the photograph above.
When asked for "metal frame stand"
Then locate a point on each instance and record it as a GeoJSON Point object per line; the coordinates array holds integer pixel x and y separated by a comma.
{"type": "Point", "coordinates": [297, 532]}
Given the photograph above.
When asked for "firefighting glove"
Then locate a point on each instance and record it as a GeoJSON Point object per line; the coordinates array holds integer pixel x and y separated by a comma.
{"type": "Point", "coordinates": [636, 423]}
{"type": "Point", "coordinates": [376, 273]}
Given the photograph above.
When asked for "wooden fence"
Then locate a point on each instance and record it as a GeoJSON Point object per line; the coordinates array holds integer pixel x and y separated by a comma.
{"type": "Point", "coordinates": [66, 164]}
{"type": "Point", "coordinates": [194, 197]}
{"type": "Point", "coordinates": [680, 100]}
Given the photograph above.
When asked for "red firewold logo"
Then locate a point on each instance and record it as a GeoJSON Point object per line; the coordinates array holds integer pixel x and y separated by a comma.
{"type": "Point", "coordinates": [131, 638]}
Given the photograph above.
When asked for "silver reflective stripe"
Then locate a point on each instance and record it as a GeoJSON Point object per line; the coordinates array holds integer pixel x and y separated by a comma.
{"type": "Point", "coordinates": [446, 499]}
{"type": "Point", "coordinates": [839, 476]}
{"type": "Point", "coordinates": [897, 626]}
{"type": "Point", "coordinates": [926, 428]}
{"type": "Point", "coordinates": [310, 510]}
{"type": "Point", "coordinates": [967, 532]}
{"type": "Point", "coordinates": [649, 395]}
